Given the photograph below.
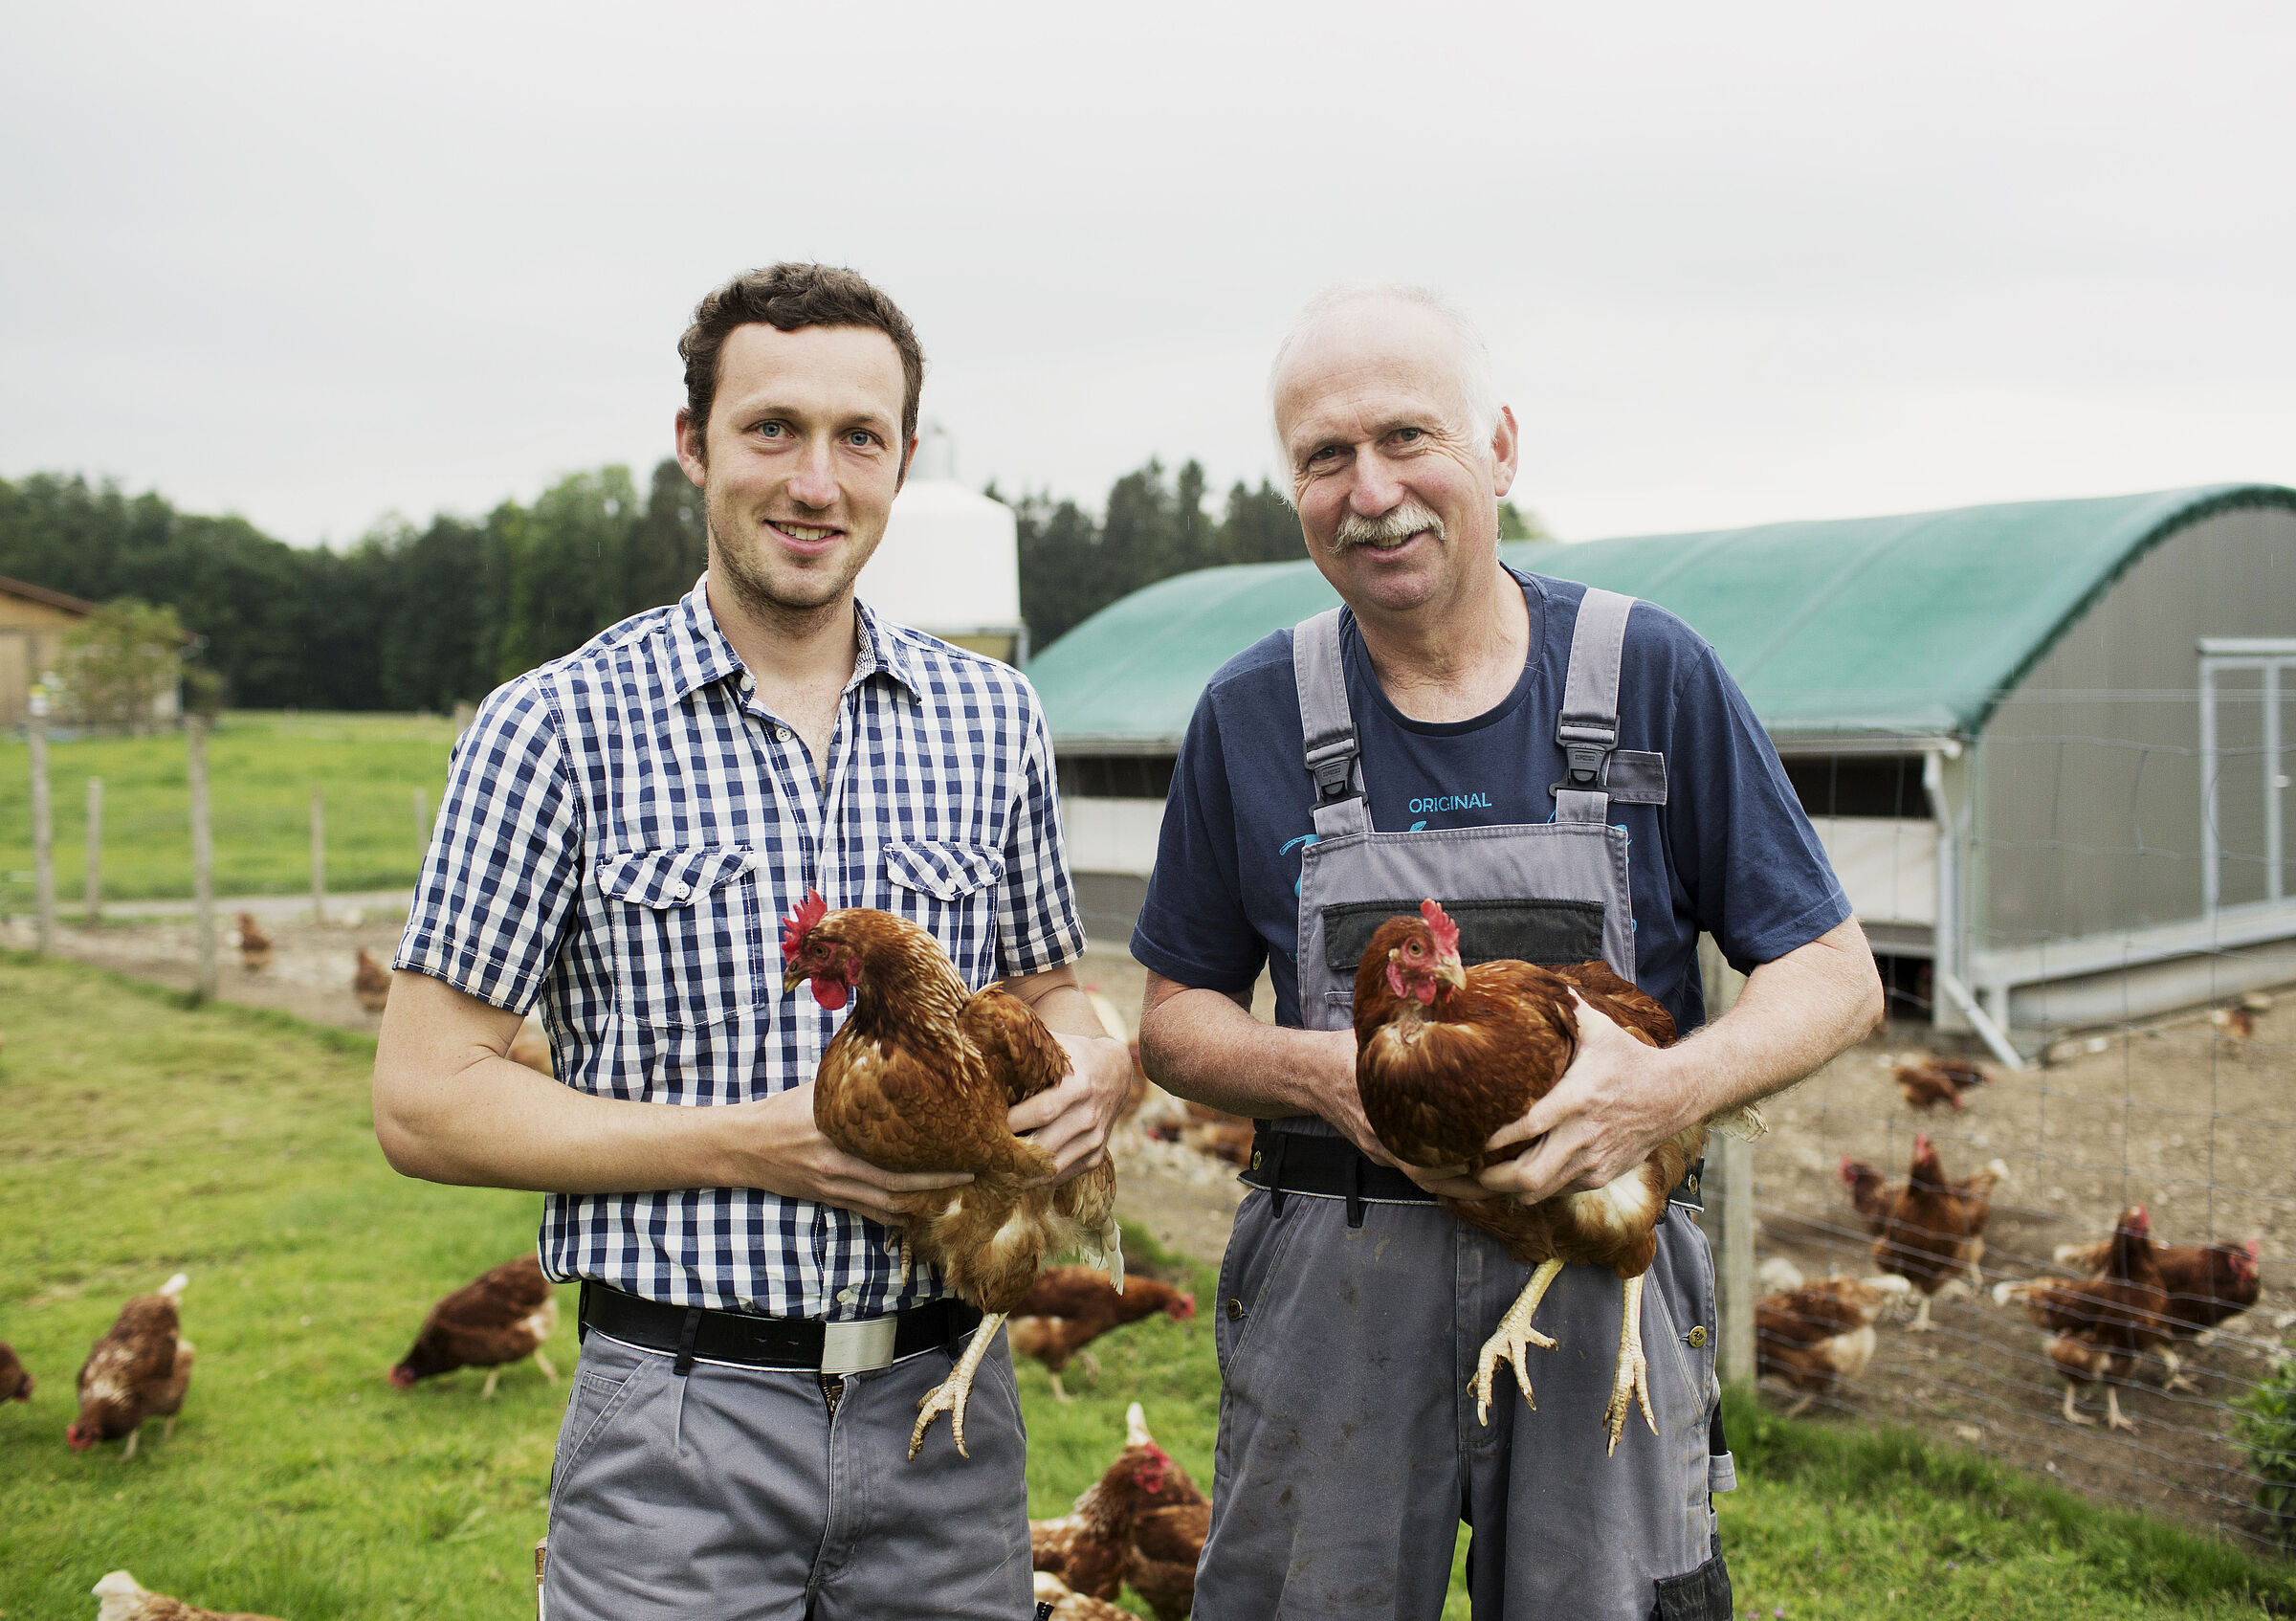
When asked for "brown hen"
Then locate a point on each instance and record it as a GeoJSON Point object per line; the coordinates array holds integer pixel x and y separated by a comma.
{"type": "Point", "coordinates": [370, 982]}
{"type": "Point", "coordinates": [1446, 1055]}
{"type": "Point", "coordinates": [920, 1079]}
{"type": "Point", "coordinates": [1090, 1546]}
{"type": "Point", "coordinates": [1812, 1337]}
{"type": "Point", "coordinates": [1069, 1307]}
{"type": "Point", "coordinates": [140, 1370]}
{"type": "Point", "coordinates": [15, 1379]}
{"type": "Point", "coordinates": [503, 1316]}
{"type": "Point", "coordinates": [1931, 1232]}
{"type": "Point", "coordinates": [2206, 1284]}
{"type": "Point", "coordinates": [254, 945]}
{"type": "Point", "coordinates": [2103, 1325]}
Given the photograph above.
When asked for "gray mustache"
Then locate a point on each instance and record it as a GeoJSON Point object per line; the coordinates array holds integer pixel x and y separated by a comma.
{"type": "Point", "coordinates": [1404, 521]}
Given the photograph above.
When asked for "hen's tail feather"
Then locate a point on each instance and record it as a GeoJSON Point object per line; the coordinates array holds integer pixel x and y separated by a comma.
{"type": "Point", "coordinates": [1744, 1123]}
{"type": "Point", "coordinates": [175, 1287]}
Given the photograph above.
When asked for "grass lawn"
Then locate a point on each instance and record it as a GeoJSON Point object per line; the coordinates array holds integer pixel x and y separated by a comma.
{"type": "Point", "coordinates": [142, 1139]}
{"type": "Point", "coordinates": [261, 769]}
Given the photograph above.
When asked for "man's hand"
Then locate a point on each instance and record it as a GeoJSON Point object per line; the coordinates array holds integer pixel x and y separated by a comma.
{"type": "Point", "coordinates": [1616, 1101]}
{"type": "Point", "coordinates": [1071, 1120]}
{"type": "Point", "coordinates": [783, 1152]}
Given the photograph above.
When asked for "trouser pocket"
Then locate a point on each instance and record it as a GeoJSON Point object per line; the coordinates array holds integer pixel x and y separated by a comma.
{"type": "Point", "coordinates": [1702, 1595]}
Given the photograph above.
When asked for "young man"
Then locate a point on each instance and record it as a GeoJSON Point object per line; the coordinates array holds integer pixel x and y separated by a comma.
{"type": "Point", "coordinates": [1578, 777]}
{"type": "Point", "coordinates": [623, 829]}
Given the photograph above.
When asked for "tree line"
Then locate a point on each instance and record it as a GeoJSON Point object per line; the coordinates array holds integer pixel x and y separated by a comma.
{"type": "Point", "coordinates": [426, 616]}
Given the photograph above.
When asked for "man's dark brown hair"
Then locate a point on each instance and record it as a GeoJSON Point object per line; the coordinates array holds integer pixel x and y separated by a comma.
{"type": "Point", "coordinates": [786, 297]}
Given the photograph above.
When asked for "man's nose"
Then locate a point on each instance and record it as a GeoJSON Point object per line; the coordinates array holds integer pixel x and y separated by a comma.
{"type": "Point", "coordinates": [1376, 487]}
{"type": "Point", "coordinates": [814, 483]}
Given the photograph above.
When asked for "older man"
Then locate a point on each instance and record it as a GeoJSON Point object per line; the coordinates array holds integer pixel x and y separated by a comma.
{"type": "Point", "coordinates": [1579, 772]}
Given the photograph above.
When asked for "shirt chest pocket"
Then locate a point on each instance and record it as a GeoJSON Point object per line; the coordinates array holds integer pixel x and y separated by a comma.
{"type": "Point", "coordinates": [689, 943]}
{"type": "Point", "coordinates": [949, 889]}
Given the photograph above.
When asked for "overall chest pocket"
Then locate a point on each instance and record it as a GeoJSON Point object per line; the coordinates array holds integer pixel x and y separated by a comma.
{"type": "Point", "coordinates": [949, 889]}
{"type": "Point", "coordinates": [689, 943]}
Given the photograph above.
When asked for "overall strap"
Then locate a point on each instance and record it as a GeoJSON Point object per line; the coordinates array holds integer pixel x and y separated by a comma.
{"type": "Point", "coordinates": [1589, 727]}
{"type": "Point", "coordinates": [1328, 728]}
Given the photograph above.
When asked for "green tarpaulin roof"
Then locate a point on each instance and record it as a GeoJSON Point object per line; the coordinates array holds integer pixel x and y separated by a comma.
{"type": "Point", "coordinates": [1913, 625]}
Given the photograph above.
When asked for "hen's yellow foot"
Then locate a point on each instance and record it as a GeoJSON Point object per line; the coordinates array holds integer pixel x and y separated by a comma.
{"type": "Point", "coordinates": [1630, 1384]}
{"type": "Point", "coordinates": [949, 1396]}
{"type": "Point", "coordinates": [1515, 1337]}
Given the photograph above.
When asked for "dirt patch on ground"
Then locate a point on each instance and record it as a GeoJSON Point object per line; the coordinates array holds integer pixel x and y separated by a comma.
{"type": "Point", "coordinates": [2193, 1124]}
{"type": "Point", "coordinates": [309, 975]}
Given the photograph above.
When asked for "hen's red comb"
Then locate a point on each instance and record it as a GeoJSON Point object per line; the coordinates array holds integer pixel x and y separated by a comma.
{"type": "Point", "coordinates": [1440, 924]}
{"type": "Point", "coordinates": [802, 918]}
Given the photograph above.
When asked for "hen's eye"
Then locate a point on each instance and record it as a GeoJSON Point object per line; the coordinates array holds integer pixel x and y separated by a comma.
{"type": "Point", "coordinates": [1414, 948]}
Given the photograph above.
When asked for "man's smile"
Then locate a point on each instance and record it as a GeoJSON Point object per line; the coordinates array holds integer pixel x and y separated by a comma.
{"type": "Point", "coordinates": [802, 534]}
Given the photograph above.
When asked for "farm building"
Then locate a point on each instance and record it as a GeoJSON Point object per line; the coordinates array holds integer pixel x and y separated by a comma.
{"type": "Point", "coordinates": [950, 565]}
{"type": "Point", "coordinates": [33, 623]}
{"type": "Point", "coordinates": [2043, 741]}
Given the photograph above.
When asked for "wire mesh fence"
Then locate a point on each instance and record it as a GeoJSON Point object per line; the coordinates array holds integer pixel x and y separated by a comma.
{"type": "Point", "coordinates": [2111, 906]}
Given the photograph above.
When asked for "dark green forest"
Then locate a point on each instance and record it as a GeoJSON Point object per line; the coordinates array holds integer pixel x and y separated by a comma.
{"type": "Point", "coordinates": [424, 617]}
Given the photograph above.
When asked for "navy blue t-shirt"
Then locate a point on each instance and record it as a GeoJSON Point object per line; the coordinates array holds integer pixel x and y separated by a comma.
{"type": "Point", "coordinates": [1731, 852]}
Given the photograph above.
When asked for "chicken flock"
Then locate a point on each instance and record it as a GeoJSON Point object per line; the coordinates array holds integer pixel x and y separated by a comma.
{"type": "Point", "coordinates": [920, 1076]}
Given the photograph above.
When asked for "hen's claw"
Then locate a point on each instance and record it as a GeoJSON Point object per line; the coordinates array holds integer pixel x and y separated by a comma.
{"type": "Point", "coordinates": [1513, 1337]}
{"type": "Point", "coordinates": [949, 1396]}
{"type": "Point", "coordinates": [1630, 1384]}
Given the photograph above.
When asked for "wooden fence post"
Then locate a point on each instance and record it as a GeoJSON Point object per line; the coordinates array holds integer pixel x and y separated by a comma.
{"type": "Point", "coordinates": [43, 832]}
{"type": "Point", "coordinates": [318, 855]}
{"type": "Point", "coordinates": [203, 850]}
{"type": "Point", "coordinates": [1729, 1191]}
{"type": "Point", "coordinates": [95, 850]}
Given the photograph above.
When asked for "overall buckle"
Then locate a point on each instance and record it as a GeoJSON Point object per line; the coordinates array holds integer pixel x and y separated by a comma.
{"type": "Point", "coordinates": [858, 1347]}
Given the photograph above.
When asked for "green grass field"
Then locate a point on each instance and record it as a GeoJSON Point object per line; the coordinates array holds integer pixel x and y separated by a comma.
{"type": "Point", "coordinates": [261, 769]}
{"type": "Point", "coordinates": [142, 1139]}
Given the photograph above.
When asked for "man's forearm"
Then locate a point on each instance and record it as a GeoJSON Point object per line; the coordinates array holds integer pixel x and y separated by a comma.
{"type": "Point", "coordinates": [1199, 1044]}
{"type": "Point", "coordinates": [1795, 1013]}
{"type": "Point", "coordinates": [495, 1124]}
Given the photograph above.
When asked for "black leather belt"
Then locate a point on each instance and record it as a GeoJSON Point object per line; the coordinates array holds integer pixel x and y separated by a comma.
{"type": "Point", "coordinates": [698, 1333]}
{"type": "Point", "coordinates": [1284, 1163]}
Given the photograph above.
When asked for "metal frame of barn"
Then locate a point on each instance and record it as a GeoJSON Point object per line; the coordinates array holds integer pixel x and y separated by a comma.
{"type": "Point", "coordinates": [2045, 742]}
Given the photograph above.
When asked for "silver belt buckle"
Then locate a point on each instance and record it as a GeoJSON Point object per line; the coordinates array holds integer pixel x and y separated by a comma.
{"type": "Point", "coordinates": [856, 1347]}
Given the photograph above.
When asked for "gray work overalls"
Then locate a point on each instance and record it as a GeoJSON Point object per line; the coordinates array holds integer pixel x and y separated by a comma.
{"type": "Point", "coordinates": [1348, 1446]}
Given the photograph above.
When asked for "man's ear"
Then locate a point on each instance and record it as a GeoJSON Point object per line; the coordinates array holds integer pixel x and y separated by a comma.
{"type": "Point", "coordinates": [1506, 450]}
{"type": "Point", "coordinates": [908, 456]}
{"type": "Point", "coordinates": [693, 448]}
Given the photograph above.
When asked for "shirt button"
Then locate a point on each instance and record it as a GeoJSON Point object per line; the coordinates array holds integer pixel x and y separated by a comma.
{"type": "Point", "coordinates": [685, 892]}
{"type": "Point", "coordinates": [846, 1297]}
{"type": "Point", "coordinates": [781, 732]}
{"type": "Point", "coordinates": [1697, 1337]}
{"type": "Point", "coordinates": [1235, 1310]}
{"type": "Point", "coordinates": [749, 683]}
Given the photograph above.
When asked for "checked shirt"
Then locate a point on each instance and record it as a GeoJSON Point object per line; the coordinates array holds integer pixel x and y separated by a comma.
{"type": "Point", "coordinates": [623, 829]}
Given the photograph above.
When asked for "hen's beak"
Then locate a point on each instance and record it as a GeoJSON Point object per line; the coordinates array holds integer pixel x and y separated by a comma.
{"type": "Point", "coordinates": [1451, 971]}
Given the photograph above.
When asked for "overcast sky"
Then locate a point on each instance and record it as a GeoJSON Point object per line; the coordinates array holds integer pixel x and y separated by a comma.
{"type": "Point", "coordinates": [315, 264]}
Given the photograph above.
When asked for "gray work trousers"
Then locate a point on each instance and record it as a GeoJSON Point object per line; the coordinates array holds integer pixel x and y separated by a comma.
{"type": "Point", "coordinates": [1349, 1448]}
{"type": "Point", "coordinates": [735, 1494]}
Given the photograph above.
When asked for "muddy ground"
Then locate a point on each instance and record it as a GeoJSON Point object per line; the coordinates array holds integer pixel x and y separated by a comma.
{"type": "Point", "coordinates": [2195, 1125]}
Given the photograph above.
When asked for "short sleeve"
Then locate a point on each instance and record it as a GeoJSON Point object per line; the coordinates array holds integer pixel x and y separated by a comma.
{"type": "Point", "coordinates": [503, 869]}
{"type": "Point", "coordinates": [1757, 876]}
{"type": "Point", "coordinates": [1194, 928]}
{"type": "Point", "coordinates": [1038, 926]}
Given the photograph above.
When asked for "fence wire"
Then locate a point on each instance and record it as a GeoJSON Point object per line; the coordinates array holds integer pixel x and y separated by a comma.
{"type": "Point", "coordinates": [2187, 1108]}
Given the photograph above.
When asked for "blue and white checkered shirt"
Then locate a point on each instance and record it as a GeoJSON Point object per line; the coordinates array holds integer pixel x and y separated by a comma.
{"type": "Point", "coordinates": [623, 829]}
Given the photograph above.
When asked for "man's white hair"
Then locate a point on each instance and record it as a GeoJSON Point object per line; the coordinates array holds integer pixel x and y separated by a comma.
{"type": "Point", "coordinates": [1472, 356]}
